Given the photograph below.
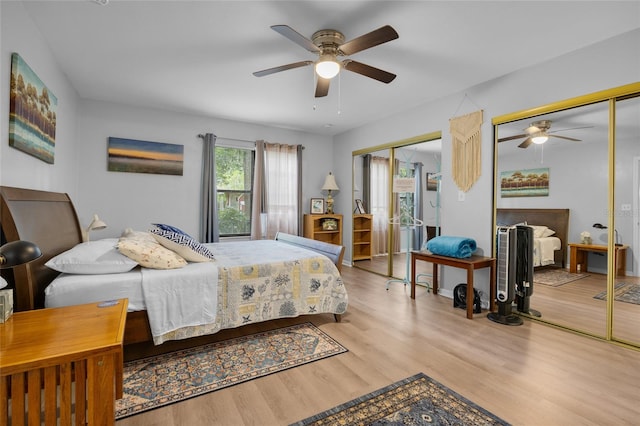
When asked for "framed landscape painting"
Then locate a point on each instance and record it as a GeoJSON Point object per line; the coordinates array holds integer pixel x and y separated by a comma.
{"type": "Point", "coordinates": [134, 156]}
{"type": "Point", "coordinates": [525, 183]}
{"type": "Point", "coordinates": [32, 113]}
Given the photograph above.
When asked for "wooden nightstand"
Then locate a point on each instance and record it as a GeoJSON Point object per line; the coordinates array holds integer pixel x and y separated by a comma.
{"type": "Point", "coordinates": [51, 349]}
{"type": "Point", "coordinates": [578, 257]}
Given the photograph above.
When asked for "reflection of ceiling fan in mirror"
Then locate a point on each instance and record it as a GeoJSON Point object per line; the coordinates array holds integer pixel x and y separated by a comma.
{"type": "Point", "coordinates": [328, 45]}
{"type": "Point", "coordinates": [538, 133]}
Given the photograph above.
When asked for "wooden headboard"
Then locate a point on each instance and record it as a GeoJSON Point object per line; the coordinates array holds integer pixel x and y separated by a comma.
{"type": "Point", "coordinates": [47, 219]}
{"type": "Point", "coordinates": [556, 219]}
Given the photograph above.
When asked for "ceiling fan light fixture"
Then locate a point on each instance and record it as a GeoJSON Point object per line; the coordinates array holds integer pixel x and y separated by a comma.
{"type": "Point", "coordinates": [327, 67]}
{"type": "Point", "coordinates": [540, 138]}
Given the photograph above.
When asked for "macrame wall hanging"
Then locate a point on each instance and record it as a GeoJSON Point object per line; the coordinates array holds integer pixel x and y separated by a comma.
{"type": "Point", "coordinates": [466, 149]}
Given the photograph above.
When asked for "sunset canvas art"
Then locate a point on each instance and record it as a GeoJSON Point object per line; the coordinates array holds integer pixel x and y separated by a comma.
{"type": "Point", "coordinates": [135, 156]}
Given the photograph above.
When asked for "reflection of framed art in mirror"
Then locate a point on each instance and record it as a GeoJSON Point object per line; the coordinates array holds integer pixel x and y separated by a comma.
{"type": "Point", "coordinates": [432, 182]}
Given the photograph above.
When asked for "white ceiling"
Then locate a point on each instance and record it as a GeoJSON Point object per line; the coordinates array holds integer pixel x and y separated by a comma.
{"type": "Point", "coordinates": [198, 57]}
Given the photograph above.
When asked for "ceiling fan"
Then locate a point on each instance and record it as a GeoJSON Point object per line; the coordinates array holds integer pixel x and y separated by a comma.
{"type": "Point", "coordinates": [538, 133]}
{"type": "Point", "coordinates": [329, 45]}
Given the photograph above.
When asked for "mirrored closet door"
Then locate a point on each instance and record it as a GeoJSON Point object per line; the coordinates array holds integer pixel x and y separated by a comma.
{"type": "Point", "coordinates": [626, 232]}
{"type": "Point", "coordinates": [383, 249]}
{"type": "Point", "coordinates": [571, 170]}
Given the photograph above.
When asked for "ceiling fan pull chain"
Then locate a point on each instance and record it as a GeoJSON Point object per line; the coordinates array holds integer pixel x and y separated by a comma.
{"type": "Point", "coordinates": [339, 93]}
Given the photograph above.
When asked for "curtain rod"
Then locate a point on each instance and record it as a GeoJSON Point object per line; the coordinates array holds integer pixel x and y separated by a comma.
{"type": "Point", "coordinates": [233, 139]}
{"type": "Point", "coordinates": [229, 139]}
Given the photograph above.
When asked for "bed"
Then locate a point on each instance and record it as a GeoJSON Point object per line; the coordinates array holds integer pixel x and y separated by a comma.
{"type": "Point", "coordinates": [548, 250]}
{"type": "Point", "coordinates": [49, 219]}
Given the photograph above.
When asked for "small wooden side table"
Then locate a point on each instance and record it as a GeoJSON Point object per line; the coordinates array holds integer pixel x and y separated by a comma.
{"type": "Point", "coordinates": [578, 255]}
{"type": "Point", "coordinates": [44, 348]}
{"type": "Point", "coordinates": [470, 264]}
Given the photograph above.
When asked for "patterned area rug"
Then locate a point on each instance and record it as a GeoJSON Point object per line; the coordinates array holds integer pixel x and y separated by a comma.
{"type": "Point", "coordinates": [164, 379]}
{"type": "Point", "coordinates": [555, 277]}
{"type": "Point", "coordinates": [624, 292]}
{"type": "Point", "coordinates": [417, 400]}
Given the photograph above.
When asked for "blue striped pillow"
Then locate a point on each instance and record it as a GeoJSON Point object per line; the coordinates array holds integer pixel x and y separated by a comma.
{"type": "Point", "coordinates": [180, 242]}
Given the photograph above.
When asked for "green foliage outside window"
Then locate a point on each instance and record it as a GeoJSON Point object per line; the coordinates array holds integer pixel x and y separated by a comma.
{"type": "Point", "coordinates": [234, 176]}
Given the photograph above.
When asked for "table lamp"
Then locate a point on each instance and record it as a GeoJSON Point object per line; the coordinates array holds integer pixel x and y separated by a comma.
{"type": "Point", "coordinates": [330, 185]}
{"type": "Point", "coordinates": [601, 226]}
{"type": "Point", "coordinates": [95, 225]}
{"type": "Point", "coordinates": [13, 254]}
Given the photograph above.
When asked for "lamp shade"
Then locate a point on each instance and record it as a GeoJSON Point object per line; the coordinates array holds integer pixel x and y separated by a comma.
{"type": "Point", "coordinates": [18, 252]}
{"type": "Point", "coordinates": [330, 183]}
{"type": "Point", "coordinates": [96, 223]}
{"type": "Point", "coordinates": [327, 67]}
{"type": "Point", "coordinates": [540, 138]}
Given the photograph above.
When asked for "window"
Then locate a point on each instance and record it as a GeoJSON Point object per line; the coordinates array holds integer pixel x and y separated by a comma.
{"type": "Point", "coordinates": [234, 180]}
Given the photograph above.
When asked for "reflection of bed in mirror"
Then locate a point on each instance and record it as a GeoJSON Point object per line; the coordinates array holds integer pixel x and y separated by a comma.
{"type": "Point", "coordinates": [556, 220]}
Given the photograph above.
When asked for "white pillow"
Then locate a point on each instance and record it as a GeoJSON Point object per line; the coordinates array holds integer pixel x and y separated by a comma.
{"type": "Point", "coordinates": [541, 231]}
{"type": "Point", "coordinates": [180, 242]}
{"type": "Point", "coordinates": [92, 257]}
{"type": "Point", "coordinates": [547, 233]}
{"type": "Point", "coordinates": [150, 254]}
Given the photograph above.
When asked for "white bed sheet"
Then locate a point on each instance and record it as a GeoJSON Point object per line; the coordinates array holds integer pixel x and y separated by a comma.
{"type": "Point", "coordinates": [544, 250]}
{"type": "Point", "coordinates": [68, 289]}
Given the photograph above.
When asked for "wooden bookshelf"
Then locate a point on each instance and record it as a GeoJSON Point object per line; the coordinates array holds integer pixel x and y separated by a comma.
{"type": "Point", "coordinates": [313, 228]}
{"type": "Point", "coordinates": [362, 236]}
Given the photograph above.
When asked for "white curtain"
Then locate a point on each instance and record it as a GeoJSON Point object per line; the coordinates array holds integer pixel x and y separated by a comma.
{"type": "Point", "coordinates": [280, 190]}
{"type": "Point", "coordinates": [379, 200]}
{"type": "Point", "coordinates": [418, 231]}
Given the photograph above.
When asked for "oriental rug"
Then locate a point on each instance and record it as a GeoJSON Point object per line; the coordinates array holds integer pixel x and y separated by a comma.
{"type": "Point", "coordinates": [417, 400]}
{"type": "Point", "coordinates": [165, 379]}
{"type": "Point", "coordinates": [556, 277]}
{"type": "Point", "coordinates": [624, 292]}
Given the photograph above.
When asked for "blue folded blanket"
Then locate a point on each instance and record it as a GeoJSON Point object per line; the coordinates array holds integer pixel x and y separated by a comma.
{"type": "Point", "coordinates": [452, 246]}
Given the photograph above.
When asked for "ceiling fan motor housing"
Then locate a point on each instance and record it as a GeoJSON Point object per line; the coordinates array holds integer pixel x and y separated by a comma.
{"type": "Point", "coordinates": [328, 41]}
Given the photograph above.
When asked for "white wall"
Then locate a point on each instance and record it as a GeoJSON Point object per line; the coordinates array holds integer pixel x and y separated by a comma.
{"type": "Point", "coordinates": [608, 64]}
{"type": "Point", "coordinates": [19, 34]}
{"type": "Point", "coordinates": [126, 199]}
{"type": "Point", "coordinates": [134, 200]}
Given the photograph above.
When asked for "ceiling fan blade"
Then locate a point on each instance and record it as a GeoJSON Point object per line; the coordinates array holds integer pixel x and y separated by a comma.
{"type": "Point", "coordinates": [368, 71]}
{"type": "Point", "coordinates": [571, 128]}
{"type": "Point", "coordinates": [374, 38]}
{"type": "Point", "coordinates": [564, 137]}
{"type": "Point", "coordinates": [526, 143]}
{"type": "Point", "coordinates": [510, 138]}
{"type": "Point", "coordinates": [282, 68]}
{"type": "Point", "coordinates": [322, 87]}
{"type": "Point", "coordinates": [296, 37]}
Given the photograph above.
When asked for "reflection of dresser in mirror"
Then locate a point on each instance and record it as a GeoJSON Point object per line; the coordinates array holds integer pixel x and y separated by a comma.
{"type": "Point", "coordinates": [362, 234]}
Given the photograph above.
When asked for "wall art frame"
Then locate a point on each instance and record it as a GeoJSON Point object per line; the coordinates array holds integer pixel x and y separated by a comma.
{"type": "Point", "coordinates": [525, 183]}
{"type": "Point", "coordinates": [136, 156]}
{"type": "Point", "coordinates": [32, 113]}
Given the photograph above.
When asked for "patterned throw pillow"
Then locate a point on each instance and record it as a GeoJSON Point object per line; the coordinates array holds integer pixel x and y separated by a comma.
{"type": "Point", "coordinates": [150, 254]}
{"type": "Point", "coordinates": [181, 243]}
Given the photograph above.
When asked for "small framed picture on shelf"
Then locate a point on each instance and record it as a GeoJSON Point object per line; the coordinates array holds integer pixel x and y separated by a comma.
{"type": "Point", "coordinates": [317, 206]}
{"type": "Point", "coordinates": [360, 207]}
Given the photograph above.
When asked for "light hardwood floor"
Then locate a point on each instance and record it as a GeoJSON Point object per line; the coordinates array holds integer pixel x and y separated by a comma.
{"type": "Point", "coordinates": [531, 374]}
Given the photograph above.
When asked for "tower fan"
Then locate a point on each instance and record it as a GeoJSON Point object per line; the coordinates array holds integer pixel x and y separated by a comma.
{"type": "Point", "coordinates": [524, 270]}
{"type": "Point", "coordinates": [506, 247]}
